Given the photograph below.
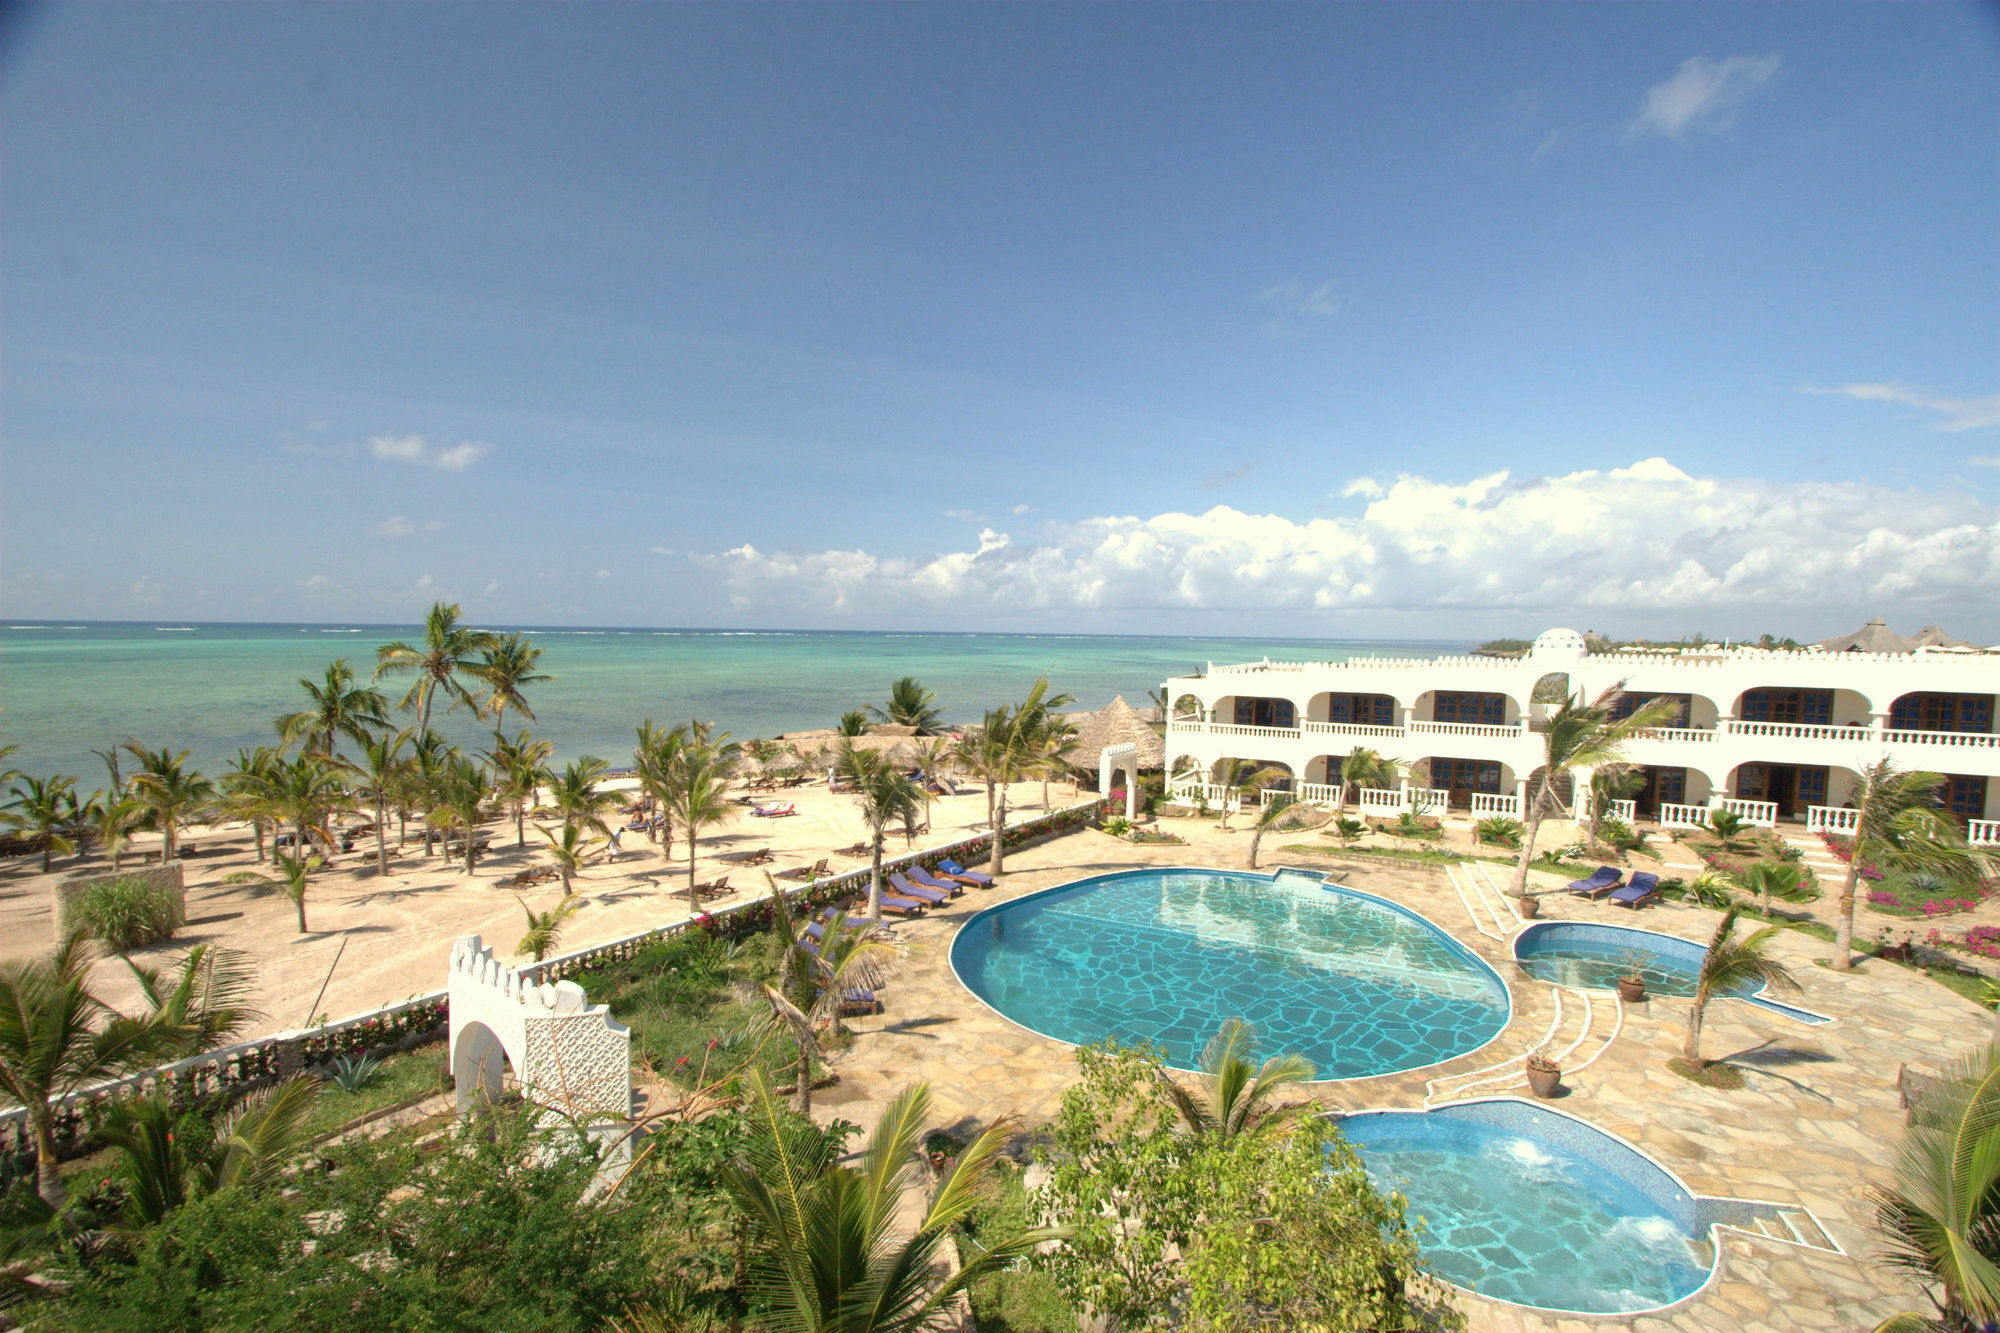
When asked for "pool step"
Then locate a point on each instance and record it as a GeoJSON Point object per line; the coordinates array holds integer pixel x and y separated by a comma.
{"type": "Point", "coordinates": [1806, 1230]}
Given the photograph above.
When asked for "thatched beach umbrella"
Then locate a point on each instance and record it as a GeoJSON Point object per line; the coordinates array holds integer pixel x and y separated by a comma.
{"type": "Point", "coordinates": [1873, 637]}
{"type": "Point", "coordinates": [1931, 636]}
{"type": "Point", "coordinates": [1117, 723]}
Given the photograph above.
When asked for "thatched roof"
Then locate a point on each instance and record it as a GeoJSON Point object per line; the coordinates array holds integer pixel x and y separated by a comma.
{"type": "Point", "coordinates": [1873, 637]}
{"type": "Point", "coordinates": [1117, 723]}
{"type": "Point", "coordinates": [827, 741]}
{"type": "Point", "coordinates": [1930, 636]}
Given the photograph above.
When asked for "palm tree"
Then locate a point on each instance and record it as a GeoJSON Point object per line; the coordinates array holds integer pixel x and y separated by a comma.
{"type": "Point", "coordinates": [886, 795]}
{"type": "Point", "coordinates": [505, 666]}
{"type": "Point", "coordinates": [422, 777]}
{"type": "Point", "coordinates": [1771, 879]}
{"type": "Point", "coordinates": [1236, 1093]}
{"type": "Point", "coordinates": [55, 1037]}
{"type": "Point", "coordinates": [1898, 826]}
{"type": "Point", "coordinates": [569, 851]}
{"type": "Point", "coordinates": [1055, 742]}
{"type": "Point", "coordinates": [520, 769]}
{"type": "Point", "coordinates": [699, 795]}
{"type": "Point", "coordinates": [448, 651]}
{"type": "Point", "coordinates": [1234, 775]}
{"type": "Point", "coordinates": [910, 705]}
{"type": "Point", "coordinates": [656, 760]}
{"type": "Point", "coordinates": [1011, 747]}
{"type": "Point", "coordinates": [306, 793]}
{"type": "Point", "coordinates": [1938, 1213]}
{"type": "Point", "coordinates": [575, 795]}
{"type": "Point", "coordinates": [853, 723]}
{"type": "Point", "coordinates": [206, 1003]}
{"type": "Point", "coordinates": [828, 1253]}
{"type": "Point", "coordinates": [1580, 735]}
{"type": "Point", "coordinates": [1363, 767]}
{"type": "Point", "coordinates": [294, 878]}
{"type": "Point", "coordinates": [42, 806]}
{"type": "Point", "coordinates": [247, 787]}
{"type": "Point", "coordinates": [117, 816]}
{"type": "Point", "coordinates": [171, 793]}
{"type": "Point", "coordinates": [1612, 782]}
{"type": "Point", "coordinates": [1730, 965]}
{"type": "Point", "coordinates": [171, 1158]}
{"type": "Point", "coordinates": [380, 768]}
{"type": "Point", "coordinates": [338, 707]}
{"type": "Point", "coordinates": [1726, 825]}
{"type": "Point", "coordinates": [461, 797]}
{"type": "Point", "coordinates": [1270, 817]}
{"type": "Point", "coordinates": [545, 928]}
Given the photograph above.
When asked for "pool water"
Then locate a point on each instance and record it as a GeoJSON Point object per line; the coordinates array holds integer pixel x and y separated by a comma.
{"type": "Point", "coordinates": [1533, 1207]}
{"type": "Point", "coordinates": [1592, 956]}
{"type": "Point", "coordinates": [1354, 984]}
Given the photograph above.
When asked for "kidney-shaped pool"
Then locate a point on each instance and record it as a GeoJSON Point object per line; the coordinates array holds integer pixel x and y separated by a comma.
{"type": "Point", "coordinates": [1357, 985]}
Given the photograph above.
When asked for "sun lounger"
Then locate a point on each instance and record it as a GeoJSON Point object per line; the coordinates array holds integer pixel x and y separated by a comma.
{"type": "Point", "coordinates": [714, 889]}
{"type": "Point", "coordinates": [1601, 881]}
{"type": "Point", "coordinates": [860, 1001]}
{"type": "Point", "coordinates": [903, 886]}
{"type": "Point", "coordinates": [853, 849]}
{"type": "Point", "coordinates": [1644, 886]}
{"type": "Point", "coordinates": [897, 905]}
{"type": "Point", "coordinates": [804, 872]}
{"type": "Point", "coordinates": [775, 811]}
{"type": "Point", "coordinates": [959, 872]}
{"type": "Point", "coordinates": [919, 875]}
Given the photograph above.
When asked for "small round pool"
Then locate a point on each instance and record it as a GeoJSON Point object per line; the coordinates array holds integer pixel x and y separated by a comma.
{"type": "Point", "coordinates": [1531, 1206]}
{"type": "Point", "coordinates": [1357, 985]}
{"type": "Point", "coordinates": [1593, 957]}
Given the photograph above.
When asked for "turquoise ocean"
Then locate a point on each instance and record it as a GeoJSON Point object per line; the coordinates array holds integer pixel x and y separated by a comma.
{"type": "Point", "coordinates": [67, 688]}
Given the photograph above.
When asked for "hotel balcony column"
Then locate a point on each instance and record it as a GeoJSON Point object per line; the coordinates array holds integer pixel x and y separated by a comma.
{"type": "Point", "coordinates": [1521, 797]}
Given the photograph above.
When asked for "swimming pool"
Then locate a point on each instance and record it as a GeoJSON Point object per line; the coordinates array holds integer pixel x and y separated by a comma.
{"type": "Point", "coordinates": [1353, 983]}
{"type": "Point", "coordinates": [1531, 1206]}
{"type": "Point", "coordinates": [1577, 953]}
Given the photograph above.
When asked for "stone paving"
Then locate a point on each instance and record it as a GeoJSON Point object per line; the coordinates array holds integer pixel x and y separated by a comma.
{"type": "Point", "coordinates": [1813, 1127]}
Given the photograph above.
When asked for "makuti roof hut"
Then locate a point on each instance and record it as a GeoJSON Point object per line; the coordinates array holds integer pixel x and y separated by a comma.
{"type": "Point", "coordinates": [1117, 723]}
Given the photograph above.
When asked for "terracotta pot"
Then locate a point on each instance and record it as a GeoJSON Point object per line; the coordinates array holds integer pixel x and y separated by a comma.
{"type": "Point", "coordinates": [1529, 908]}
{"type": "Point", "coordinates": [1544, 1082]}
{"type": "Point", "coordinates": [1631, 991]}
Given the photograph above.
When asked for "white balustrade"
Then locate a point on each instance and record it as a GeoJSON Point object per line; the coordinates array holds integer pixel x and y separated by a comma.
{"type": "Point", "coordinates": [1483, 730]}
{"type": "Point", "coordinates": [1694, 734]}
{"type": "Point", "coordinates": [1982, 740]}
{"type": "Point", "coordinates": [1382, 800]}
{"type": "Point", "coordinates": [1306, 793]}
{"type": "Point", "coordinates": [1826, 819]}
{"type": "Point", "coordinates": [1486, 803]}
{"type": "Point", "coordinates": [1259, 733]}
{"type": "Point", "coordinates": [1757, 814]}
{"type": "Point", "coordinates": [1983, 832]}
{"type": "Point", "coordinates": [1429, 800]}
{"type": "Point", "coordinates": [1623, 811]}
{"type": "Point", "coordinates": [1212, 792]}
{"type": "Point", "coordinates": [1799, 731]}
{"type": "Point", "coordinates": [1355, 729]}
{"type": "Point", "coordinates": [1683, 816]}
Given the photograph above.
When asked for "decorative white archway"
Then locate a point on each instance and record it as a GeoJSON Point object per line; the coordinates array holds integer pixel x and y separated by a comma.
{"type": "Point", "coordinates": [1109, 762]}
{"type": "Point", "coordinates": [569, 1054]}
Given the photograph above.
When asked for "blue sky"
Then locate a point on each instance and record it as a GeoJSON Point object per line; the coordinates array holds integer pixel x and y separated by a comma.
{"type": "Point", "coordinates": [1119, 318]}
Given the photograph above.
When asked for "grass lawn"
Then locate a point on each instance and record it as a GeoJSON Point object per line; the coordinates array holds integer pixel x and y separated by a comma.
{"type": "Point", "coordinates": [1022, 1302]}
{"type": "Point", "coordinates": [403, 1077]}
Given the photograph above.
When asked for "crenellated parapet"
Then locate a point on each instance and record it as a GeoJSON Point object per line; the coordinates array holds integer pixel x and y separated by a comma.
{"type": "Point", "coordinates": [566, 1053]}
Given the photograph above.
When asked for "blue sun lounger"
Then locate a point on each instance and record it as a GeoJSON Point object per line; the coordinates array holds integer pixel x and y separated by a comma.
{"type": "Point", "coordinates": [1645, 885]}
{"type": "Point", "coordinates": [919, 875]}
{"type": "Point", "coordinates": [957, 871]}
{"type": "Point", "coordinates": [896, 904]}
{"type": "Point", "coordinates": [1602, 880]}
{"type": "Point", "coordinates": [860, 1001]}
{"type": "Point", "coordinates": [903, 886]}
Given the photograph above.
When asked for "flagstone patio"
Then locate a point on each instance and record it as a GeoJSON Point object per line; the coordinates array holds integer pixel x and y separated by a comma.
{"type": "Point", "coordinates": [1814, 1126]}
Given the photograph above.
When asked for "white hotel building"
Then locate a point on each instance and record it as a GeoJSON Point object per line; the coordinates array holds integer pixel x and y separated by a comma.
{"type": "Point", "coordinates": [1777, 736]}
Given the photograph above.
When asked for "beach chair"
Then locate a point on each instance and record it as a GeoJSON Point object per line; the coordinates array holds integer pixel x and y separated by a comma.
{"type": "Point", "coordinates": [714, 889]}
{"type": "Point", "coordinates": [919, 875]}
{"type": "Point", "coordinates": [856, 849]}
{"type": "Point", "coordinates": [958, 872]}
{"type": "Point", "coordinates": [810, 872]}
{"type": "Point", "coordinates": [1601, 881]}
{"type": "Point", "coordinates": [897, 905]}
{"type": "Point", "coordinates": [860, 1000]}
{"type": "Point", "coordinates": [1644, 886]}
{"type": "Point", "coordinates": [779, 810]}
{"type": "Point", "coordinates": [902, 885]}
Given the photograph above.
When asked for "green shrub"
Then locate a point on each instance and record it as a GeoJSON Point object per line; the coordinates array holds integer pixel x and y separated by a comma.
{"type": "Point", "coordinates": [1118, 826]}
{"type": "Point", "coordinates": [1621, 835]}
{"type": "Point", "coordinates": [128, 913]}
{"type": "Point", "coordinates": [1499, 831]}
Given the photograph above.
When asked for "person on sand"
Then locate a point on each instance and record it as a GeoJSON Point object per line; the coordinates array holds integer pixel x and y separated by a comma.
{"type": "Point", "coordinates": [616, 834]}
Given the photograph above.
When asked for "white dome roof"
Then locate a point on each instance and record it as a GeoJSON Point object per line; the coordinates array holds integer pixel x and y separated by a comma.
{"type": "Point", "coordinates": [1559, 645]}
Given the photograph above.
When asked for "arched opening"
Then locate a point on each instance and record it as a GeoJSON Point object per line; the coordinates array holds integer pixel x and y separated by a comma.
{"type": "Point", "coordinates": [479, 1067]}
{"type": "Point", "coordinates": [1459, 780]}
{"type": "Point", "coordinates": [1695, 711]}
{"type": "Point", "coordinates": [1256, 710]}
{"type": "Point", "coordinates": [1184, 766]}
{"type": "Point", "coordinates": [1187, 708]}
{"type": "Point", "coordinates": [1257, 774]}
{"type": "Point", "coordinates": [1787, 705]}
{"type": "Point", "coordinates": [1352, 710]}
{"type": "Point", "coordinates": [1931, 711]}
{"type": "Point", "coordinates": [1791, 788]}
{"type": "Point", "coordinates": [1484, 708]}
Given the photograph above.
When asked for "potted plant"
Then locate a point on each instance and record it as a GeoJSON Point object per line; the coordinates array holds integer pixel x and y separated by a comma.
{"type": "Point", "coordinates": [1632, 980]}
{"type": "Point", "coordinates": [1544, 1075]}
{"type": "Point", "coordinates": [1528, 905]}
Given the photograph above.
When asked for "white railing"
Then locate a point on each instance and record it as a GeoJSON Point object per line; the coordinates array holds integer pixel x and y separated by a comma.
{"type": "Point", "coordinates": [1364, 731]}
{"type": "Point", "coordinates": [1983, 740]}
{"type": "Point", "coordinates": [1757, 814]}
{"type": "Point", "coordinates": [1212, 792]}
{"type": "Point", "coordinates": [1799, 731]}
{"type": "Point", "coordinates": [1826, 819]}
{"type": "Point", "coordinates": [1486, 803]}
{"type": "Point", "coordinates": [1305, 793]}
{"type": "Point", "coordinates": [1429, 800]}
{"type": "Point", "coordinates": [1382, 800]}
{"type": "Point", "coordinates": [1683, 816]}
{"type": "Point", "coordinates": [1258, 733]}
{"type": "Point", "coordinates": [1484, 730]}
{"type": "Point", "coordinates": [1623, 811]}
{"type": "Point", "coordinates": [1983, 832]}
{"type": "Point", "coordinates": [1696, 734]}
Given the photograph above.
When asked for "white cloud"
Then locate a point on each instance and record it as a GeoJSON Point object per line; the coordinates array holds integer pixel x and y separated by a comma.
{"type": "Point", "coordinates": [661, 550]}
{"type": "Point", "coordinates": [1220, 480]}
{"type": "Point", "coordinates": [963, 515]}
{"type": "Point", "coordinates": [415, 449]}
{"type": "Point", "coordinates": [492, 586]}
{"type": "Point", "coordinates": [1294, 307]}
{"type": "Point", "coordinates": [425, 581]}
{"type": "Point", "coordinates": [401, 525]}
{"type": "Point", "coordinates": [1959, 413]}
{"type": "Point", "coordinates": [1979, 460]}
{"type": "Point", "coordinates": [316, 581]}
{"type": "Point", "coordinates": [1702, 95]}
{"type": "Point", "coordinates": [604, 573]}
{"type": "Point", "coordinates": [1024, 509]}
{"type": "Point", "coordinates": [1646, 537]}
